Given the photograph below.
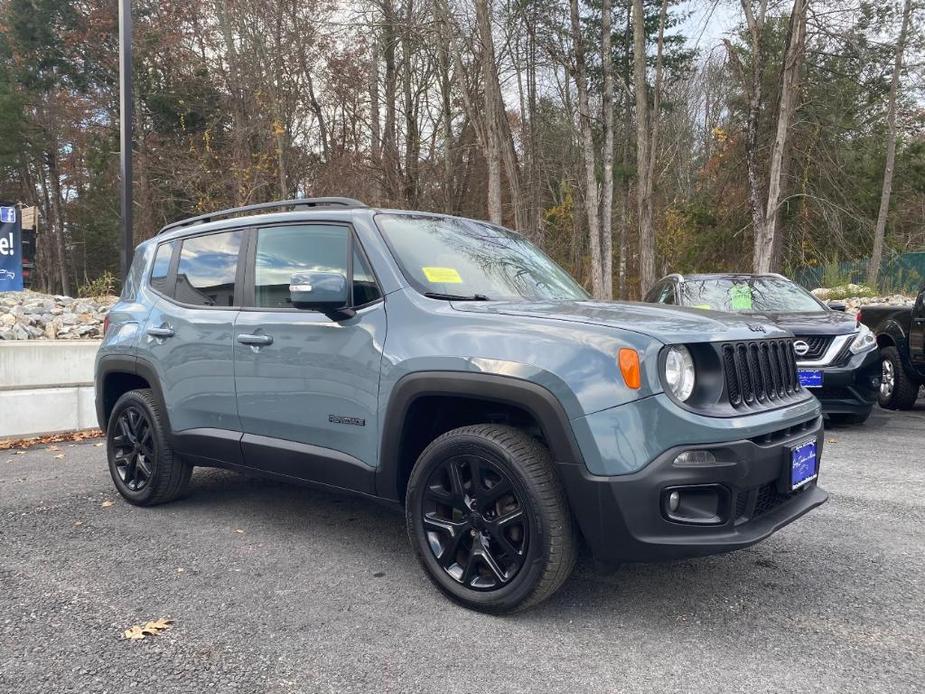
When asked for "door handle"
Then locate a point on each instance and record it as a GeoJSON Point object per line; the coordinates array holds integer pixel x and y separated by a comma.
{"type": "Point", "coordinates": [255, 340]}
{"type": "Point", "coordinates": [161, 332]}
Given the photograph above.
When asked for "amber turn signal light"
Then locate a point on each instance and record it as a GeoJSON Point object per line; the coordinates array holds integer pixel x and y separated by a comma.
{"type": "Point", "coordinates": [629, 367]}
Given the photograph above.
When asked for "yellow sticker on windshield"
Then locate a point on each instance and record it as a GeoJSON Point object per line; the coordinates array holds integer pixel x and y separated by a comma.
{"type": "Point", "coordinates": [442, 275]}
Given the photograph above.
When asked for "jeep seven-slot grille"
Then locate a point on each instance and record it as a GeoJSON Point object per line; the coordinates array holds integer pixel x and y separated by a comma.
{"type": "Point", "coordinates": [817, 345]}
{"type": "Point", "coordinates": [760, 372]}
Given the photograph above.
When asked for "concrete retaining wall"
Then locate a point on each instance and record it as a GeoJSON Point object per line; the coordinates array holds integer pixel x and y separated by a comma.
{"type": "Point", "coordinates": [46, 387]}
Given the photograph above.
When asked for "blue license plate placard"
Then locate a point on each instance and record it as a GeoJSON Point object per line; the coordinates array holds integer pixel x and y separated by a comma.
{"type": "Point", "coordinates": [810, 378]}
{"type": "Point", "coordinates": [804, 465]}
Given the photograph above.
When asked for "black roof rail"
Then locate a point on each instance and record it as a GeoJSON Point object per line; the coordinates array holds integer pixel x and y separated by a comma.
{"type": "Point", "coordinates": [298, 202]}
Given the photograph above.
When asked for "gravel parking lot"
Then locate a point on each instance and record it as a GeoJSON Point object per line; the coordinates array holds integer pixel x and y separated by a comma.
{"type": "Point", "coordinates": [277, 588]}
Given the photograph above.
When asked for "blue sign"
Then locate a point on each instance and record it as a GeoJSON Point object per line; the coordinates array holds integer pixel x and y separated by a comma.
{"type": "Point", "coordinates": [10, 250]}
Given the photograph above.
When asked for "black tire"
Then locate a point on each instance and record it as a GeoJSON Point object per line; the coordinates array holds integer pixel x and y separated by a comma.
{"type": "Point", "coordinates": [844, 418]}
{"type": "Point", "coordinates": [142, 463]}
{"type": "Point", "coordinates": [509, 565]}
{"type": "Point", "coordinates": [898, 391]}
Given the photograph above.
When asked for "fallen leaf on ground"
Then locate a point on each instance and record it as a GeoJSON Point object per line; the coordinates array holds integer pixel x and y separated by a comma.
{"type": "Point", "coordinates": [7, 444]}
{"type": "Point", "coordinates": [238, 530]}
{"type": "Point", "coordinates": [139, 631]}
{"type": "Point", "coordinates": [59, 456]}
{"type": "Point", "coordinates": [77, 524]}
{"type": "Point", "coordinates": [106, 504]}
{"type": "Point", "coordinates": [98, 445]}
{"type": "Point", "coordinates": [831, 440]}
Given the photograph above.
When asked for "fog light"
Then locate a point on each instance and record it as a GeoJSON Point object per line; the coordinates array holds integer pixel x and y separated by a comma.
{"type": "Point", "coordinates": [695, 458]}
{"type": "Point", "coordinates": [674, 500]}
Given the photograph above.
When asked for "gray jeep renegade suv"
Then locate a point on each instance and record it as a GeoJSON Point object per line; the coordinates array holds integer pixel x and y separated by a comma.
{"type": "Point", "coordinates": [448, 365]}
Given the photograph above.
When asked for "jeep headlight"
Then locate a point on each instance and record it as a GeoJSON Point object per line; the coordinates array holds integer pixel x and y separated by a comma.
{"type": "Point", "coordinates": [863, 341]}
{"type": "Point", "coordinates": [679, 372]}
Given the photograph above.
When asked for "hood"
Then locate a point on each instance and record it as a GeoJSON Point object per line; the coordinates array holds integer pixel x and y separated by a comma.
{"type": "Point", "coordinates": [668, 324]}
{"type": "Point", "coordinates": [820, 323]}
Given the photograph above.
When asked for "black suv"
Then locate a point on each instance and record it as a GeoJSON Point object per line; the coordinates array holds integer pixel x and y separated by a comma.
{"type": "Point", "coordinates": [836, 354]}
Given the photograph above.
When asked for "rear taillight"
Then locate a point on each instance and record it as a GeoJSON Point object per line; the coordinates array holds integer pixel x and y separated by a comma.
{"type": "Point", "coordinates": [105, 325]}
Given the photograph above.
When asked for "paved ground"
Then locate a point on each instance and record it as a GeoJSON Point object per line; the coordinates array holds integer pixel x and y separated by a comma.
{"type": "Point", "coordinates": [282, 589]}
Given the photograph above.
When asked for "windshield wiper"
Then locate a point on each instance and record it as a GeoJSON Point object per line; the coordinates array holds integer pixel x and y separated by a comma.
{"type": "Point", "coordinates": [456, 297]}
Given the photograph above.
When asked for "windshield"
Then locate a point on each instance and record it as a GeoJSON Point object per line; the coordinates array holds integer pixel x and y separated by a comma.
{"type": "Point", "coordinates": [459, 258]}
{"type": "Point", "coordinates": [748, 295]}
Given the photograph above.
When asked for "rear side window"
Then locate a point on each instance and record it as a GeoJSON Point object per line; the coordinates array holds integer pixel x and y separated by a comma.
{"type": "Point", "coordinates": [207, 268]}
{"type": "Point", "coordinates": [135, 273]}
{"type": "Point", "coordinates": [160, 270]}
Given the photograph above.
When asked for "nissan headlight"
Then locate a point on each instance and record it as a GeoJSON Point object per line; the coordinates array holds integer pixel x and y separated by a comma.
{"type": "Point", "coordinates": [863, 341]}
{"type": "Point", "coordinates": [679, 372]}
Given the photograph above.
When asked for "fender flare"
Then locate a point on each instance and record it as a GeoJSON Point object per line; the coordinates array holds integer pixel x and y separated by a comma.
{"type": "Point", "coordinates": [125, 364]}
{"type": "Point", "coordinates": [893, 329]}
{"type": "Point", "coordinates": [536, 400]}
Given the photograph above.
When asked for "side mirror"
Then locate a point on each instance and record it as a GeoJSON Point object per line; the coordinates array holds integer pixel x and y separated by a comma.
{"type": "Point", "coordinates": [838, 306]}
{"type": "Point", "coordinates": [320, 291]}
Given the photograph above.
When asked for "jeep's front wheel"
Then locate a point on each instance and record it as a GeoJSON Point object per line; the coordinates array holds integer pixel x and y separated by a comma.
{"type": "Point", "coordinates": [489, 520]}
{"type": "Point", "coordinates": [142, 463]}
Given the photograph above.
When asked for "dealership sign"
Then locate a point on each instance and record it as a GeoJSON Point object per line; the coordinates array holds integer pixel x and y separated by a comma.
{"type": "Point", "coordinates": [10, 250]}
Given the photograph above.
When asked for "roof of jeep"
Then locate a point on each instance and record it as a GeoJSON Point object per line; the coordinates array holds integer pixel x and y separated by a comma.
{"type": "Point", "coordinates": [276, 212]}
{"type": "Point", "coordinates": [332, 209]}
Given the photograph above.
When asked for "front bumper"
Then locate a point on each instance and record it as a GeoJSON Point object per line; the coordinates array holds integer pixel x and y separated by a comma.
{"type": "Point", "coordinates": [852, 387]}
{"type": "Point", "coordinates": [624, 517]}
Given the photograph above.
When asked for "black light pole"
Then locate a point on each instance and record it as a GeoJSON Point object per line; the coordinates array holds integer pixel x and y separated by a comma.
{"type": "Point", "coordinates": [125, 131]}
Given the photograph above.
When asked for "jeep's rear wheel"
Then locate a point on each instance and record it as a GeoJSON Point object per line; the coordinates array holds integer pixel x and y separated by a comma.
{"type": "Point", "coordinates": [488, 518]}
{"type": "Point", "coordinates": [142, 464]}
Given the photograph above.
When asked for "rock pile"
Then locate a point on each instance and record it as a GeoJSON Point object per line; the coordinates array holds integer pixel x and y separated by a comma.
{"type": "Point", "coordinates": [862, 297]}
{"type": "Point", "coordinates": [33, 316]}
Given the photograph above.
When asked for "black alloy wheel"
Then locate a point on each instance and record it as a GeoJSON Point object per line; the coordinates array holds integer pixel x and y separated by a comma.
{"type": "Point", "coordinates": [134, 452]}
{"type": "Point", "coordinates": [142, 463]}
{"type": "Point", "coordinates": [488, 518]}
{"type": "Point", "coordinates": [478, 528]}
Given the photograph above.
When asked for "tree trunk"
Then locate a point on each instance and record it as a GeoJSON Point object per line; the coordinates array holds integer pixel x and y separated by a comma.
{"type": "Point", "coordinates": [876, 256]}
{"type": "Point", "coordinates": [493, 149]}
{"type": "Point", "coordinates": [446, 119]}
{"type": "Point", "coordinates": [57, 205]}
{"type": "Point", "coordinates": [607, 155]}
{"type": "Point", "coordinates": [643, 149]}
{"type": "Point", "coordinates": [389, 143]}
{"type": "Point", "coordinates": [790, 80]}
{"type": "Point", "coordinates": [375, 133]}
{"type": "Point", "coordinates": [240, 148]}
{"type": "Point", "coordinates": [591, 197]}
{"type": "Point", "coordinates": [412, 137]}
{"type": "Point", "coordinates": [756, 205]}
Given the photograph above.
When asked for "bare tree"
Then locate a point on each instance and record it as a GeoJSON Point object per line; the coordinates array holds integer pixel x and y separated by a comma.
{"type": "Point", "coordinates": [876, 256]}
{"type": "Point", "coordinates": [607, 154]}
{"type": "Point", "coordinates": [646, 138]}
{"type": "Point", "coordinates": [767, 241]}
{"type": "Point", "coordinates": [592, 206]}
